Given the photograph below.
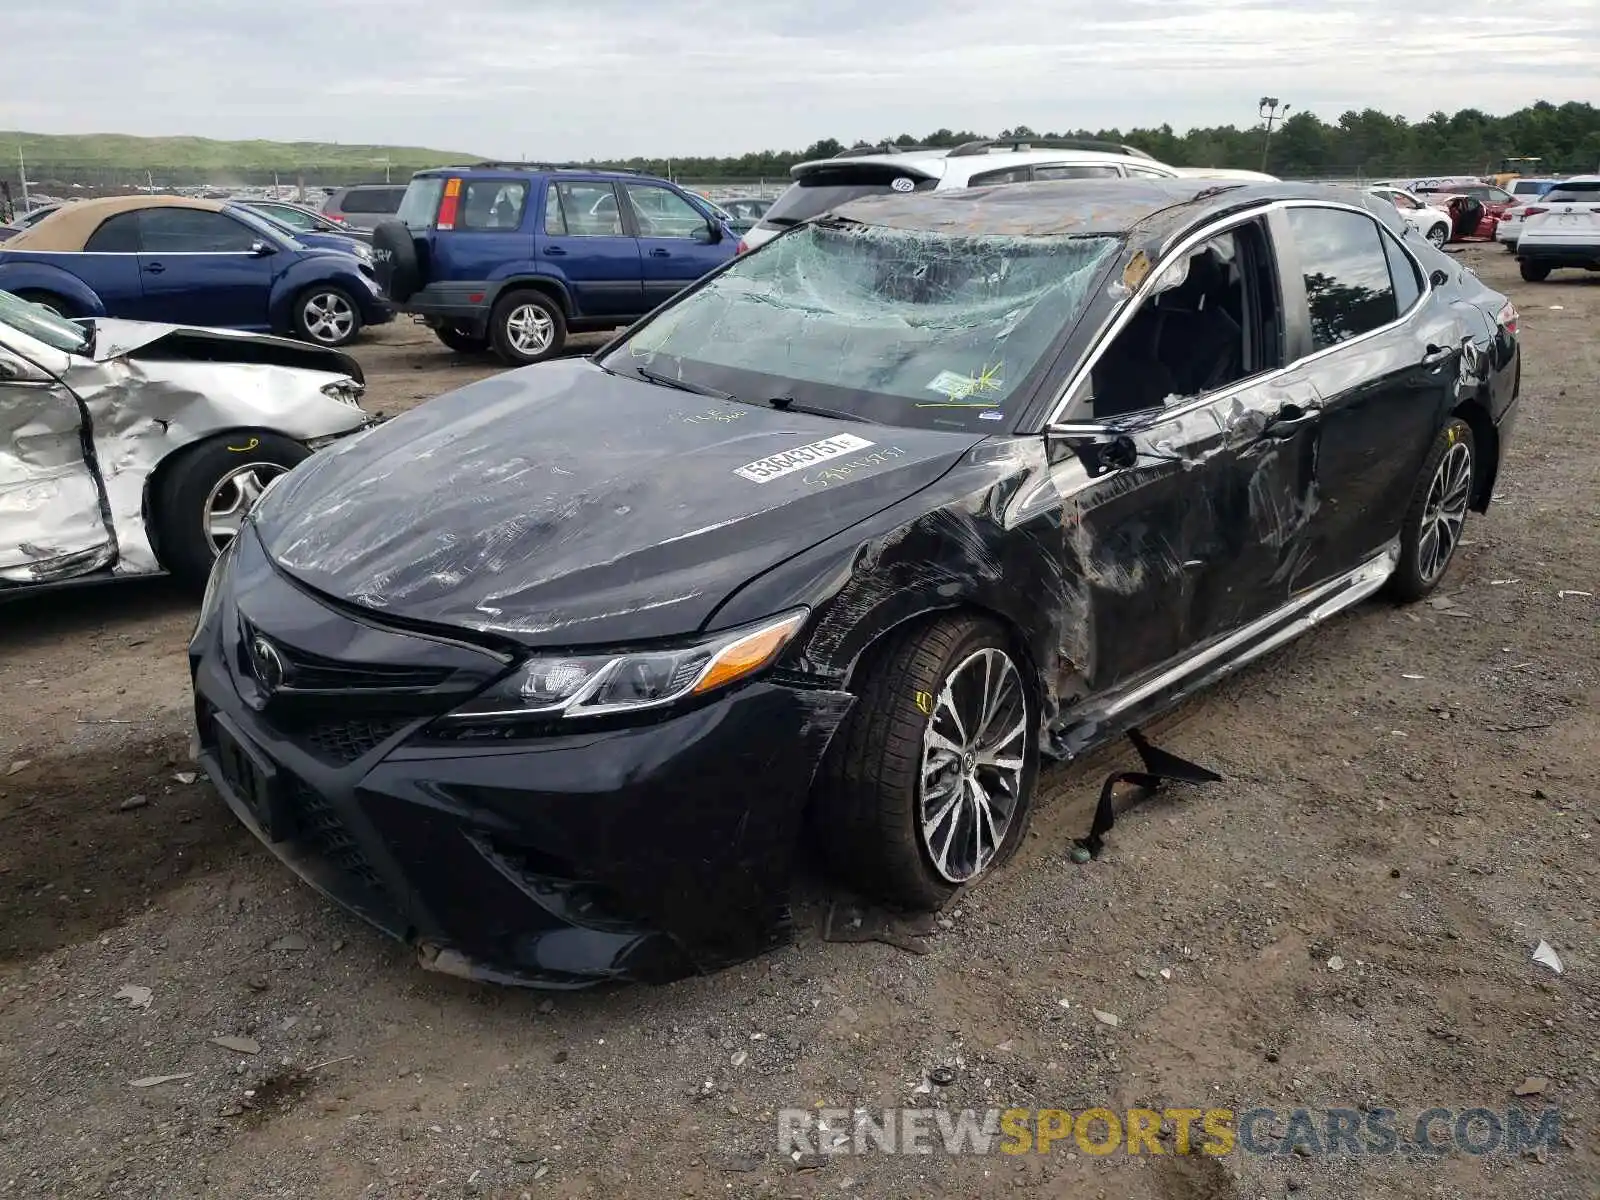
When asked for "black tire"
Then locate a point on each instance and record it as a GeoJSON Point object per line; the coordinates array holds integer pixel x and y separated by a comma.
{"type": "Point", "coordinates": [185, 488]}
{"type": "Point", "coordinates": [507, 342]}
{"type": "Point", "coordinates": [51, 301]}
{"type": "Point", "coordinates": [1533, 272]}
{"type": "Point", "coordinates": [327, 315]}
{"type": "Point", "coordinates": [867, 810]}
{"type": "Point", "coordinates": [460, 340]}
{"type": "Point", "coordinates": [395, 260]}
{"type": "Point", "coordinates": [1439, 235]}
{"type": "Point", "coordinates": [1414, 577]}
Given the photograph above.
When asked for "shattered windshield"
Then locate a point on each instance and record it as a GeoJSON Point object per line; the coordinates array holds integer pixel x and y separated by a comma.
{"type": "Point", "coordinates": [901, 327]}
{"type": "Point", "coordinates": [41, 324]}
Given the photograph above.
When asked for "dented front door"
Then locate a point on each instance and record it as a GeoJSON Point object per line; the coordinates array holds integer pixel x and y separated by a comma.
{"type": "Point", "coordinates": [52, 522]}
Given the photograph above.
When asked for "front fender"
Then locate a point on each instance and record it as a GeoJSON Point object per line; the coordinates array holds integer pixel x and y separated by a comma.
{"type": "Point", "coordinates": [301, 274]}
{"type": "Point", "coordinates": [31, 275]}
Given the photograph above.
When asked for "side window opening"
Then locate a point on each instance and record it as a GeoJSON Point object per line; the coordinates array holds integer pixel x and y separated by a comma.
{"type": "Point", "coordinates": [493, 204]}
{"type": "Point", "coordinates": [555, 220]}
{"type": "Point", "coordinates": [1403, 274]}
{"type": "Point", "coordinates": [116, 235]}
{"type": "Point", "coordinates": [1075, 171]}
{"type": "Point", "coordinates": [1218, 324]}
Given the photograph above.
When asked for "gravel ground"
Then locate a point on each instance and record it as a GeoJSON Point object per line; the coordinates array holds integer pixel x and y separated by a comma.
{"type": "Point", "coordinates": [1347, 921]}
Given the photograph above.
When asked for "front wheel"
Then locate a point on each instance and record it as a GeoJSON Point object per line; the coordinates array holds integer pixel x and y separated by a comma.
{"type": "Point", "coordinates": [1431, 529]}
{"type": "Point", "coordinates": [927, 785]}
{"type": "Point", "coordinates": [527, 327]}
{"type": "Point", "coordinates": [48, 301]}
{"type": "Point", "coordinates": [327, 315]}
{"type": "Point", "coordinates": [1439, 235]}
{"type": "Point", "coordinates": [1533, 272]}
{"type": "Point", "coordinates": [203, 496]}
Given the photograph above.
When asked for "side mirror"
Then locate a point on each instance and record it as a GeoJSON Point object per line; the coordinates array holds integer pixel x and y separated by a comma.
{"type": "Point", "coordinates": [1438, 278]}
{"type": "Point", "coordinates": [261, 248]}
{"type": "Point", "coordinates": [1101, 450]}
{"type": "Point", "coordinates": [710, 235]}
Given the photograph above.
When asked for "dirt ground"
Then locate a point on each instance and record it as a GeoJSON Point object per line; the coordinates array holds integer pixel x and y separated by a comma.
{"type": "Point", "coordinates": [1349, 920]}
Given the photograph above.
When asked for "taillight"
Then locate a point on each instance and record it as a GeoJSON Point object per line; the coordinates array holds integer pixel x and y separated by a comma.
{"type": "Point", "coordinates": [449, 204]}
{"type": "Point", "coordinates": [339, 217]}
{"type": "Point", "coordinates": [742, 247]}
{"type": "Point", "coordinates": [1507, 317]}
{"type": "Point", "coordinates": [1533, 212]}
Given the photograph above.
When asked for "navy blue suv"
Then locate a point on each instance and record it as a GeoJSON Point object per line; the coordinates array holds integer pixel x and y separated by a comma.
{"type": "Point", "coordinates": [515, 256]}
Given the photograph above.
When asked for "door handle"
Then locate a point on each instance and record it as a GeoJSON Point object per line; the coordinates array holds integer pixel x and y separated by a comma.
{"type": "Point", "coordinates": [554, 251]}
{"type": "Point", "coordinates": [658, 252]}
{"type": "Point", "coordinates": [154, 268]}
{"type": "Point", "coordinates": [1290, 420]}
{"type": "Point", "coordinates": [1436, 355]}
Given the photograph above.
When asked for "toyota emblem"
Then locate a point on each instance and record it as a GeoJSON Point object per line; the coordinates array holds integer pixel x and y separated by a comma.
{"type": "Point", "coordinates": [267, 663]}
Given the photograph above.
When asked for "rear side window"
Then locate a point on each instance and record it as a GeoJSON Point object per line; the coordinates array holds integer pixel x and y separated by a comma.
{"type": "Point", "coordinates": [1403, 274]}
{"type": "Point", "coordinates": [1008, 175]}
{"type": "Point", "coordinates": [492, 204]}
{"type": "Point", "coordinates": [818, 191]}
{"type": "Point", "coordinates": [1348, 288]}
{"type": "Point", "coordinates": [372, 200]}
{"type": "Point", "coordinates": [421, 201]}
{"type": "Point", "coordinates": [1075, 171]}
{"type": "Point", "coordinates": [587, 210]}
{"type": "Point", "coordinates": [116, 235]}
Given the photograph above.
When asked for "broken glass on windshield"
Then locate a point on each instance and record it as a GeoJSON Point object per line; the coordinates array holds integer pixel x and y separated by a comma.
{"type": "Point", "coordinates": [899, 326]}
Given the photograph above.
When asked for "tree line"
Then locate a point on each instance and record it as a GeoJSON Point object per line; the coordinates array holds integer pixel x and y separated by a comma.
{"type": "Point", "coordinates": [1565, 138]}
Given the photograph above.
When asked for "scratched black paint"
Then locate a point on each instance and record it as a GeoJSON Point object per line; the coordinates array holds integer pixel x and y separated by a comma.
{"type": "Point", "coordinates": [562, 506]}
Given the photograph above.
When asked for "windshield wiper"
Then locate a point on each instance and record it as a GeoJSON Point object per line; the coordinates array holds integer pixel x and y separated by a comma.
{"type": "Point", "coordinates": [683, 385]}
{"type": "Point", "coordinates": [790, 404]}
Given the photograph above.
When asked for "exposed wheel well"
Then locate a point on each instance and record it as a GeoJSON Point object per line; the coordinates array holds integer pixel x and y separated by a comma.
{"type": "Point", "coordinates": [1487, 440]}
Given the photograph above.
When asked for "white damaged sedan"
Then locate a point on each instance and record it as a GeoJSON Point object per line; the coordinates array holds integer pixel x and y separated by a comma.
{"type": "Point", "coordinates": [129, 448]}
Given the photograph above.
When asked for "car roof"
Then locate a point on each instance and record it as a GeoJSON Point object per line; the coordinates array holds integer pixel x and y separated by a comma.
{"type": "Point", "coordinates": [1578, 179]}
{"type": "Point", "coordinates": [66, 229]}
{"type": "Point", "coordinates": [1080, 207]}
{"type": "Point", "coordinates": [537, 168]}
{"type": "Point", "coordinates": [937, 163]}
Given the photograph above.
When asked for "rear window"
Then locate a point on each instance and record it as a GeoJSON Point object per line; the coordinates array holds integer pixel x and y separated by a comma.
{"type": "Point", "coordinates": [1531, 187]}
{"type": "Point", "coordinates": [1574, 193]}
{"type": "Point", "coordinates": [421, 202]}
{"type": "Point", "coordinates": [818, 191]}
{"type": "Point", "coordinates": [372, 200]}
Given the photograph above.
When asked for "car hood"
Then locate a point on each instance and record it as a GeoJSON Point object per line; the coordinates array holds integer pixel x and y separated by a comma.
{"type": "Point", "coordinates": [115, 338]}
{"type": "Point", "coordinates": [563, 505]}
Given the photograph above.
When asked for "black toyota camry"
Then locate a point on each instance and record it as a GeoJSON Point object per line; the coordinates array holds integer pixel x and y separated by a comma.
{"type": "Point", "coordinates": [555, 676]}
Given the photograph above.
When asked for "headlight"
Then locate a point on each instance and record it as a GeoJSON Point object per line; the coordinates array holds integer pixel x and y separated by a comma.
{"type": "Point", "coordinates": [586, 685]}
{"type": "Point", "coordinates": [345, 391]}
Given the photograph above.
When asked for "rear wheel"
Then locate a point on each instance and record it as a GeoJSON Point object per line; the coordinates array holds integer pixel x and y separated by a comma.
{"type": "Point", "coordinates": [460, 340]}
{"type": "Point", "coordinates": [203, 496]}
{"type": "Point", "coordinates": [49, 301]}
{"type": "Point", "coordinates": [928, 783]}
{"type": "Point", "coordinates": [1439, 234]}
{"type": "Point", "coordinates": [1533, 272]}
{"type": "Point", "coordinates": [1431, 530]}
{"type": "Point", "coordinates": [527, 327]}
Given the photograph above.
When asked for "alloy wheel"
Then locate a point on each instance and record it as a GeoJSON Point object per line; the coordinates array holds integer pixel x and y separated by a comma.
{"type": "Point", "coordinates": [328, 317]}
{"type": "Point", "coordinates": [231, 499]}
{"type": "Point", "coordinates": [973, 753]}
{"type": "Point", "coordinates": [529, 329]}
{"type": "Point", "coordinates": [1439, 235]}
{"type": "Point", "coordinates": [1444, 511]}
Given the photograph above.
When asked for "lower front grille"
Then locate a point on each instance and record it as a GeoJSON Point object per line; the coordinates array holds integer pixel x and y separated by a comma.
{"type": "Point", "coordinates": [319, 827]}
{"type": "Point", "coordinates": [342, 742]}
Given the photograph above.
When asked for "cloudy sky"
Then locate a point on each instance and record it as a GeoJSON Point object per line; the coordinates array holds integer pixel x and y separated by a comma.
{"type": "Point", "coordinates": [581, 78]}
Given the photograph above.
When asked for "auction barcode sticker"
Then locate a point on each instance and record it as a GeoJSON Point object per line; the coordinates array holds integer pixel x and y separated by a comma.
{"type": "Point", "coordinates": [801, 457]}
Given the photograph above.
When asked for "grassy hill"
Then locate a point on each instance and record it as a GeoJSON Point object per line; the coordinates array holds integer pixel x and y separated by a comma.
{"type": "Point", "coordinates": [113, 159]}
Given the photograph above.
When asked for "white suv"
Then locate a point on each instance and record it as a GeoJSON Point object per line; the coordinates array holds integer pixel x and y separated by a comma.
{"type": "Point", "coordinates": [1563, 229]}
{"type": "Point", "coordinates": [826, 183]}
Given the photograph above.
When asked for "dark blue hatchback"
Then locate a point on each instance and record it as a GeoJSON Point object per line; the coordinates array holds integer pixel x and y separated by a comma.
{"type": "Point", "coordinates": [514, 256]}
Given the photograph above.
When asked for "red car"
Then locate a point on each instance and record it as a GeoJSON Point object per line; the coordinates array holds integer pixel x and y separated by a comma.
{"type": "Point", "coordinates": [1474, 206]}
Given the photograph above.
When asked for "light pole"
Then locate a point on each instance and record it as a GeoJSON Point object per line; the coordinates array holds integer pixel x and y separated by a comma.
{"type": "Point", "coordinates": [1269, 110]}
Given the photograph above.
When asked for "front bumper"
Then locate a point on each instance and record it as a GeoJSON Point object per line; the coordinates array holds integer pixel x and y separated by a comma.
{"type": "Point", "coordinates": [647, 853]}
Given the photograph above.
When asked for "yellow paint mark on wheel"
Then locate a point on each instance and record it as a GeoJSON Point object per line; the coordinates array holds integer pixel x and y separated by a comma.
{"type": "Point", "coordinates": [247, 447]}
{"type": "Point", "coordinates": [925, 701]}
{"type": "Point", "coordinates": [1450, 436]}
